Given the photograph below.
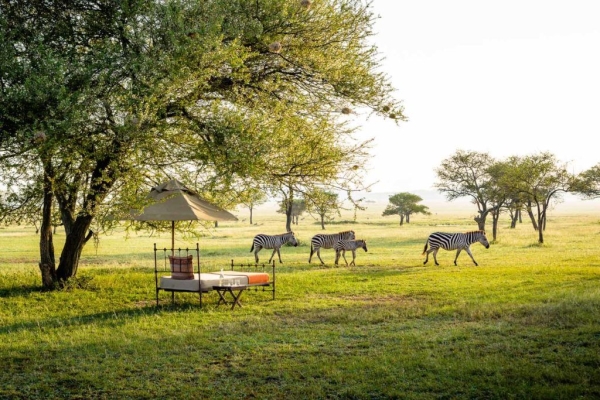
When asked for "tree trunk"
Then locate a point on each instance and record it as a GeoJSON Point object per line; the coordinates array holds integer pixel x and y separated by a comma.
{"type": "Point", "coordinates": [532, 217]}
{"type": "Point", "coordinates": [495, 218]}
{"type": "Point", "coordinates": [408, 218]}
{"type": "Point", "coordinates": [47, 262]}
{"type": "Point", "coordinates": [401, 219]}
{"type": "Point", "coordinates": [74, 242]}
{"type": "Point", "coordinates": [250, 214]}
{"type": "Point", "coordinates": [480, 222]}
{"type": "Point", "coordinates": [541, 217]}
{"type": "Point", "coordinates": [322, 221]}
{"type": "Point", "coordinates": [288, 217]}
{"type": "Point", "coordinates": [514, 215]}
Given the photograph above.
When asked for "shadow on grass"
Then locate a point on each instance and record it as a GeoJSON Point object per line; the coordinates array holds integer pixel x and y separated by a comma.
{"type": "Point", "coordinates": [17, 291]}
{"type": "Point", "coordinates": [111, 318]}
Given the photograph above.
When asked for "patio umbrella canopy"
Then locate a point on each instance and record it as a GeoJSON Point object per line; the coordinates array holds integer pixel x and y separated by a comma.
{"type": "Point", "coordinates": [175, 202]}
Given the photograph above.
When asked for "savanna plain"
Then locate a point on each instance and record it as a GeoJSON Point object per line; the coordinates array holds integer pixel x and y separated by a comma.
{"type": "Point", "coordinates": [524, 324]}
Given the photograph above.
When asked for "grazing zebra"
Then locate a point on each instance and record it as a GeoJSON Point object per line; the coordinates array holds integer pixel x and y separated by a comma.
{"type": "Point", "coordinates": [274, 242]}
{"type": "Point", "coordinates": [323, 241]}
{"type": "Point", "coordinates": [454, 241]}
{"type": "Point", "coordinates": [341, 246]}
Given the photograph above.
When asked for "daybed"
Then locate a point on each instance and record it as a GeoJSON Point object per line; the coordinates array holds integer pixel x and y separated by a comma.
{"type": "Point", "coordinates": [182, 273]}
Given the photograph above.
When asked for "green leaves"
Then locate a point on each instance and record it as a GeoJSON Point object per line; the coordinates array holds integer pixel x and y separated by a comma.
{"type": "Point", "coordinates": [130, 92]}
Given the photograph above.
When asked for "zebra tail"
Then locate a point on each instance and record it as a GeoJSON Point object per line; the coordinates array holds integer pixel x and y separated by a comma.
{"type": "Point", "coordinates": [252, 248]}
{"type": "Point", "coordinates": [425, 249]}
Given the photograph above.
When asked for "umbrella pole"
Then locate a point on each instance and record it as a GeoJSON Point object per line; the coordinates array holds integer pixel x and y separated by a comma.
{"type": "Point", "coordinates": [173, 238]}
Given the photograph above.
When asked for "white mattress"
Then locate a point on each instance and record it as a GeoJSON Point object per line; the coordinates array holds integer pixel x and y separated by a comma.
{"type": "Point", "coordinates": [208, 281]}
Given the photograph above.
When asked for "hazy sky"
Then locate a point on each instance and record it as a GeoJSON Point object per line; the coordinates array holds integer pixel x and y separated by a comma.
{"type": "Point", "coordinates": [507, 78]}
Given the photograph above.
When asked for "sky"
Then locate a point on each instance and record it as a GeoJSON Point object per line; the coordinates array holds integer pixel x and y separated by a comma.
{"type": "Point", "coordinates": [506, 78]}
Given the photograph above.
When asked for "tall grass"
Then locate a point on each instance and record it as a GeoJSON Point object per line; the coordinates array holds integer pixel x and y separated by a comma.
{"type": "Point", "coordinates": [524, 324]}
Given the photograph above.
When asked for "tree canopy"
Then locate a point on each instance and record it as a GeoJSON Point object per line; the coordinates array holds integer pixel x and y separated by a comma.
{"type": "Point", "coordinates": [404, 205]}
{"type": "Point", "coordinates": [101, 100]}
{"type": "Point", "coordinates": [533, 181]}
{"type": "Point", "coordinates": [466, 174]}
{"type": "Point", "coordinates": [325, 205]}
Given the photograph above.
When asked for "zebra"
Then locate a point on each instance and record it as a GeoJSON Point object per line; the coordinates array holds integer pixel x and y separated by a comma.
{"type": "Point", "coordinates": [341, 246]}
{"type": "Point", "coordinates": [454, 241]}
{"type": "Point", "coordinates": [262, 241]}
{"type": "Point", "coordinates": [324, 241]}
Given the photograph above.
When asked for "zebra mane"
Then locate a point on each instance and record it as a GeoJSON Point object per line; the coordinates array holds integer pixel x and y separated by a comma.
{"type": "Point", "coordinates": [478, 231]}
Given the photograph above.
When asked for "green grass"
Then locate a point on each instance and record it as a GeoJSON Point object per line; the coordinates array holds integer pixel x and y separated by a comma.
{"type": "Point", "coordinates": [524, 324]}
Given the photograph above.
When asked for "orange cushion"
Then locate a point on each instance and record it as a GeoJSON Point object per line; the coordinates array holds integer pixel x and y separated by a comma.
{"type": "Point", "coordinates": [253, 277]}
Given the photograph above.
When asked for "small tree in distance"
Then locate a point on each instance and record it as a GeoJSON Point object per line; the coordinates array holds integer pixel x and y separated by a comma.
{"type": "Point", "coordinates": [254, 197]}
{"type": "Point", "coordinates": [325, 205]}
{"type": "Point", "coordinates": [298, 206]}
{"type": "Point", "coordinates": [405, 204]}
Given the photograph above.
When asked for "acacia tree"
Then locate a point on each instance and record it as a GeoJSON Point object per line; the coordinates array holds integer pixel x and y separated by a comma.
{"type": "Point", "coordinates": [248, 193]}
{"type": "Point", "coordinates": [100, 101]}
{"type": "Point", "coordinates": [292, 209]}
{"type": "Point", "coordinates": [540, 179]}
{"type": "Point", "coordinates": [404, 205]}
{"type": "Point", "coordinates": [324, 155]}
{"type": "Point", "coordinates": [466, 174]}
{"type": "Point", "coordinates": [498, 195]}
{"type": "Point", "coordinates": [325, 205]}
{"type": "Point", "coordinates": [587, 183]}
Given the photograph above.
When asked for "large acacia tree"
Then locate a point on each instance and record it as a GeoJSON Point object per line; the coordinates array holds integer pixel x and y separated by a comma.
{"type": "Point", "coordinates": [540, 179]}
{"type": "Point", "coordinates": [467, 174]}
{"type": "Point", "coordinates": [100, 99]}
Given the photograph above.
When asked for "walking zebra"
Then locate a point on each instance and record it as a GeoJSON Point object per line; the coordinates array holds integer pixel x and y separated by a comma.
{"type": "Point", "coordinates": [454, 241]}
{"type": "Point", "coordinates": [326, 241]}
{"type": "Point", "coordinates": [274, 242]}
{"type": "Point", "coordinates": [341, 246]}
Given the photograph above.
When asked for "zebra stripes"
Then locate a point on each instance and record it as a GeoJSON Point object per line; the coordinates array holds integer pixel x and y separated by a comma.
{"type": "Point", "coordinates": [341, 246]}
{"type": "Point", "coordinates": [454, 241]}
{"type": "Point", "coordinates": [262, 241]}
{"type": "Point", "coordinates": [327, 241]}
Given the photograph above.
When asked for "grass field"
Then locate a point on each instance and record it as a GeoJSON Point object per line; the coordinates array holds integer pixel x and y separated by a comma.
{"type": "Point", "coordinates": [524, 324]}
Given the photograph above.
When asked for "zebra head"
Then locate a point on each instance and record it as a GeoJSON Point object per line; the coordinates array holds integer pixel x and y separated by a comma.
{"type": "Point", "coordinates": [350, 235]}
{"type": "Point", "coordinates": [482, 239]}
{"type": "Point", "coordinates": [291, 239]}
{"type": "Point", "coordinates": [363, 243]}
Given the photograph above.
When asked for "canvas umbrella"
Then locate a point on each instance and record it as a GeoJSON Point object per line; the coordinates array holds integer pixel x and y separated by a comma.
{"type": "Point", "coordinates": [172, 201]}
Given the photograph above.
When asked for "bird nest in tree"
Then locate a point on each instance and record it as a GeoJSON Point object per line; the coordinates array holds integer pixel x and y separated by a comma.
{"type": "Point", "coordinates": [275, 47]}
{"type": "Point", "coordinates": [39, 137]}
{"type": "Point", "coordinates": [306, 4]}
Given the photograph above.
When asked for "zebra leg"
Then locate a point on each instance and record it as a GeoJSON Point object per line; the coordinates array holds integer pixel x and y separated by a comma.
{"type": "Point", "coordinates": [457, 253]}
{"type": "Point", "coordinates": [256, 254]}
{"type": "Point", "coordinates": [470, 254]}
{"type": "Point", "coordinates": [274, 250]}
{"type": "Point", "coordinates": [312, 251]}
{"type": "Point", "coordinates": [337, 257]}
{"type": "Point", "coordinates": [353, 258]}
{"type": "Point", "coordinates": [426, 252]}
{"type": "Point", "coordinates": [344, 255]}
{"type": "Point", "coordinates": [435, 255]}
{"type": "Point", "coordinates": [319, 255]}
{"type": "Point", "coordinates": [279, 254]}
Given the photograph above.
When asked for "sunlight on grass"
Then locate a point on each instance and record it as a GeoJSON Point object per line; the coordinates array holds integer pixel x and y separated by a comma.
{"type": "Point", "coordinates": [524, 324]}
